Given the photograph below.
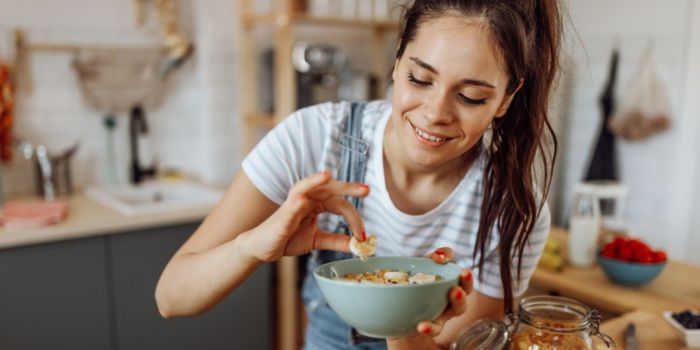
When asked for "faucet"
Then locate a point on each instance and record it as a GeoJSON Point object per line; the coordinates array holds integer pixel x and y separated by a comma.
{"type": "Point", "coordinates": [53, 170]}
{"type": "Point", "coordinates": [47, 169]}
{"type": "Point", "coordinates": [137, 125]}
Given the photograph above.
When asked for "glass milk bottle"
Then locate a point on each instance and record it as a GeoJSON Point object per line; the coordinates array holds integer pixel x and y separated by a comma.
{"type": "Point", "coordinates": [584, 226]}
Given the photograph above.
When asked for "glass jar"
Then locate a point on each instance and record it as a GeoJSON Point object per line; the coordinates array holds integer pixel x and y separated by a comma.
{"type": "Point", "coordinates": [483, 335]}
{"type": "Point", "coordinates": [542, 322]}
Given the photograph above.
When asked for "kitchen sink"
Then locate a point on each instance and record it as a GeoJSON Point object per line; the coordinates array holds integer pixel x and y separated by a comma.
{"type": "Point", "coordinates": [155, 197]}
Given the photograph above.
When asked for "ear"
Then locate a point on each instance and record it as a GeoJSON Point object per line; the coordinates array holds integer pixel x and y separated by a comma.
{"type": "Point", "coordinates": [501, 111]}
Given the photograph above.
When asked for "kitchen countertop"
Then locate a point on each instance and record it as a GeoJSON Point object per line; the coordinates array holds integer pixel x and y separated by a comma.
{"type": "Point", "coordinates": [673, 290]}
{"type": "Point", "coordinates": [653, 332]}
{"type": "Point", "coordinates": [87, 218]}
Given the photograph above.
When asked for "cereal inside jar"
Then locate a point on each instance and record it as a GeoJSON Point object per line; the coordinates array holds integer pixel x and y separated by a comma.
{"type": "Point", "coordinates": [542, 323]}
{"type": "Point", "coordinates": [555, 323]}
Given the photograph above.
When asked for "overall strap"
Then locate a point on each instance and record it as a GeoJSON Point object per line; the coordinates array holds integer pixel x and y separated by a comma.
{"type": "Point", "coordinates": [353, 165]}
{"type": "Point", "coordinates": [353, 150]}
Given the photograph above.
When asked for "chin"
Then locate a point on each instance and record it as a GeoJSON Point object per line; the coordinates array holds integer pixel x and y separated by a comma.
{"type": "Point", "coordinates": [424, 158]}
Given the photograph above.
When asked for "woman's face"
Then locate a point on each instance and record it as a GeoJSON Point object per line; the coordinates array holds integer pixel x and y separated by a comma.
{"type": "Point", "coordinates": [448, 87]}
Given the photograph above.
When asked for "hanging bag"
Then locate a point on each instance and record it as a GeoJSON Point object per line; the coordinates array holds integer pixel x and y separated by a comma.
{"type": "Point", "coordinates": [645, 108]}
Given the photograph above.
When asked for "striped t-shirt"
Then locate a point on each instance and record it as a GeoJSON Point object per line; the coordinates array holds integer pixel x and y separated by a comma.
{"type": "Point", "coordinates": [308, 141]}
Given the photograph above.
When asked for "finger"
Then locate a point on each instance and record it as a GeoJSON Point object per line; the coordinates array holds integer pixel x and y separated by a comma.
{"type": "Point", "coordinates": [309, 183]}
{"type": "Point", "coordinates": [340, 206]}
{"type": "Point", "coordinates": [428, 328]}
{"type": "Point", "coordinates": [466, 281]}
{"type": "Point", "coordinates": [332, 241]}
{"type": "Point", "coordinates": [339, 188]}
{"type": "Point", "coordinates": [442, 255]}
{"type": "Point", "coordinates": [296, 209]}
{"type": "Point", "coordinates": [458, 304]}
{"type": "Point", "coordinates": [317, 208]}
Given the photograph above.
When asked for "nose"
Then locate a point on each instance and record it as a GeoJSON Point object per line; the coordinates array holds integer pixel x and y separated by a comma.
{"type": "Point", "coordinates": [439, 108]}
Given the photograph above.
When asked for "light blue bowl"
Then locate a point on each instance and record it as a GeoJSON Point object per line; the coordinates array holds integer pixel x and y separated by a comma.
{"type": "Point", "coordinates": [379, 310]}
{"type": "Point", "coordinates": [630, 273]}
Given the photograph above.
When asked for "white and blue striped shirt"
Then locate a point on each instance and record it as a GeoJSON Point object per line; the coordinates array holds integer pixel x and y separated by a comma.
{"type": "Point", "coordinates": [308, 142]}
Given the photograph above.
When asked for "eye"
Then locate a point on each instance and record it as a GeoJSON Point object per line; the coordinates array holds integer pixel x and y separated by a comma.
{"type": "Point", "coordinates": [417, 82]}
{"type": "Point", "coordinates": [470, 101]}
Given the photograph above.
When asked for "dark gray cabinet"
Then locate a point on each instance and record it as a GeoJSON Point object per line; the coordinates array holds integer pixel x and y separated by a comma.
{"type": "Point", "coordinates": [241, 321]}
{"type": "Point", "coordinates": [54, 296]}
{"type": "Point", "coordinates": [98, 293]}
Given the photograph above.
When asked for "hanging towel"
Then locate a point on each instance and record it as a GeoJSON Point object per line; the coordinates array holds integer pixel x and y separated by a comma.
{"type": "Point", "coordinates": [22, 214]}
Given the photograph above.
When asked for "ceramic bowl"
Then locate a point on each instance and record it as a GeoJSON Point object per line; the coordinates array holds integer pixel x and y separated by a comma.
{"type": "Point", "coordinates": [690, 336]}
{"type": "Point", "coordinates": [630, 273]}
{"type": "Point", "coordinates": [386, 310]}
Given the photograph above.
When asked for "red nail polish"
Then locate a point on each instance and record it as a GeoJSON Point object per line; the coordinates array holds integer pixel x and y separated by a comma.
{"type": "Point", "coordinates": [467, 277]}
{"type": "Point", "coordinates": [427, 330]}
{"type": "Point", "coordinates": [364, 236]}
{"type": "Point", "coordinates": [364, 186]}
{"type": "Point", "coordinates": [440, 253]}
{"type": "Point", "coordinates": [458, 295]}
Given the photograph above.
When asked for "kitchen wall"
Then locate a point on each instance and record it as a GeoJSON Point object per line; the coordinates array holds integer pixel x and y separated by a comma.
{"type": "Point", "coordinates": [194, 130]}
{"type": "Point", "coordinates": [197, 128]}
{"type": "Point", "coordinates": [687, 220]}
{"type": "Point", "coordinates": [661, 172]}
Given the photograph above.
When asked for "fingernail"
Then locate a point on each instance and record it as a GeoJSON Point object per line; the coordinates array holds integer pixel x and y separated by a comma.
{"type": "Point", "coordinates": [440, 253]}
{"type": "Point", "coordinates": [458, 295]}
{"type": "Point", "coordinates": [467, 277]}
{"type": "Point", "coordinates": [323, 172]}
{"type": "Point", "coordinates": [364, 186]}
{"type": "Point", "coordinates": [426, 330]}
{"type": "Point", "coordinates": [364, 235]}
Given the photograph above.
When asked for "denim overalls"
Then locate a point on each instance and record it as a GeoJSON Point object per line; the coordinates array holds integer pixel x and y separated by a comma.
{"type": "Point", "coordinates": [325, 330]}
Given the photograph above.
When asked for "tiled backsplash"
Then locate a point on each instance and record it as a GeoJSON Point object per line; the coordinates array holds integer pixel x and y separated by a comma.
{"type": "Point", "coordinates": [194, 130]}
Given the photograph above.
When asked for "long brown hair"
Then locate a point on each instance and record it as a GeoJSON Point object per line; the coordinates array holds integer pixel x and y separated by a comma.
{"type": "Point", "coordinates": [527, 33]}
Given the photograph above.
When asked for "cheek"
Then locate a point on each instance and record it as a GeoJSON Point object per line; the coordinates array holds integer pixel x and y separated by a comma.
{"type": "Point", "coordinates": [405, 96]}
{"type": "Point", "coordinates": [476, 124]}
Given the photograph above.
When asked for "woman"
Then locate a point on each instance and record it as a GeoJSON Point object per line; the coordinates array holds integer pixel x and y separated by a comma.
{"type": "Point", "coordinates": [449, 162]}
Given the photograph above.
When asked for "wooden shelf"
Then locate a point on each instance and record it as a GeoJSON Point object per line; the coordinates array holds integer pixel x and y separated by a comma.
{"type": "Point", "coordinates": [261, 119]}
{"type": "Point", "coordinates": [284, 20]}
{"type": "Point", "coordinates": [306, 19]}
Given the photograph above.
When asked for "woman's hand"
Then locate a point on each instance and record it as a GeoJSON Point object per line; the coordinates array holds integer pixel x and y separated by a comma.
{"type": "Point", "coordinates": [427, 330]}
{"type": "Point", "coordinates": [292, 229]}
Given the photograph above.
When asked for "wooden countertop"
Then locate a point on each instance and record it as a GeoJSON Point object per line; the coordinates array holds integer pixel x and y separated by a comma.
{"type": "Point", "coordinates": [88, 218]}
{"type": "Point", "coordinates": [653, 332]}
{"type": "Point", "coordinates": [676, 288]}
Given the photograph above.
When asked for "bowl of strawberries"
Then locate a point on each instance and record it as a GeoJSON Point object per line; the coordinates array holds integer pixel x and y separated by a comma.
{"type": "Point", "coordinates": [631, 261]}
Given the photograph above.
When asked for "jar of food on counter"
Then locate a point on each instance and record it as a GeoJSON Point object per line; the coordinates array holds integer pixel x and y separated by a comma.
{"type": "Point", "coordinates": [542, 322]}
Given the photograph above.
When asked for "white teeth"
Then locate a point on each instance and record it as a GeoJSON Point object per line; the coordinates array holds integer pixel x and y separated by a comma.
{"type": "Point", "coordinates": [428, 137]}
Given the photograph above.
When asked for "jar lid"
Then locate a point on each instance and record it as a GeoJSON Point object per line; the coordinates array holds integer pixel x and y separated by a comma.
{"type": "Point", "coordinates": [482, 335]}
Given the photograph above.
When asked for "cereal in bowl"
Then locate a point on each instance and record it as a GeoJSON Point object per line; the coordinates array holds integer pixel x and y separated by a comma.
{"type": "Point", "coordinates": [391, 277]}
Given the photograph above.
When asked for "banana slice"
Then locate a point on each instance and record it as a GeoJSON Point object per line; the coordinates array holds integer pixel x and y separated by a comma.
{"type": "Point", "coordinates": [363, 249]}
{"type": "Point", "coordinates": [396, 277]}
{"type": "Point", "coordinates": [421, 278]}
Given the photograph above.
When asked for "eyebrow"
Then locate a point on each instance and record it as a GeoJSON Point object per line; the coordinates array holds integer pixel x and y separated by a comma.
{"type": "Point", "coordinates": [432, 69]}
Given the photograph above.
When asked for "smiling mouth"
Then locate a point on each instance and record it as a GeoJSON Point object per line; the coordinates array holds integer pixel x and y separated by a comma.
{"type": "Point", "coordinates": [428, 137]}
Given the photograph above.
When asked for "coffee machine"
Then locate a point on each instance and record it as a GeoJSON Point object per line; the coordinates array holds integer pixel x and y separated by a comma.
{"type": "Point", "coordinates": [323, 73]}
